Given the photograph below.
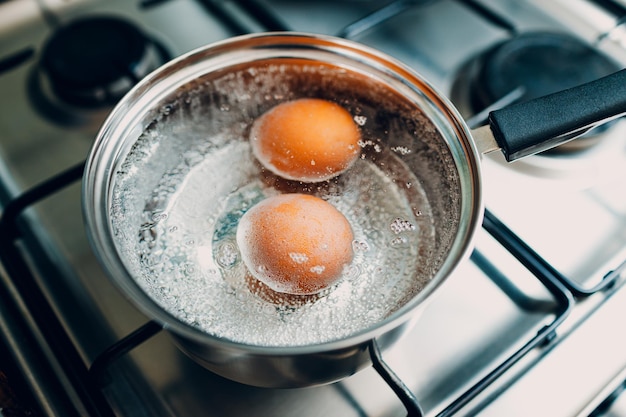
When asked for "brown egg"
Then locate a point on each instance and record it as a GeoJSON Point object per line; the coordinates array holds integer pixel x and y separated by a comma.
{"type": "Point", "coordinates": [295, 243]}
{"type": "Point", "coordinates": [308, 140]}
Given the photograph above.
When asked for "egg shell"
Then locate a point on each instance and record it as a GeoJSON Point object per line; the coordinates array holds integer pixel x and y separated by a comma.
{"type": "Point", "coordinates": [308, 140]}
{"type": "Point", "coordinates": [295, 243]}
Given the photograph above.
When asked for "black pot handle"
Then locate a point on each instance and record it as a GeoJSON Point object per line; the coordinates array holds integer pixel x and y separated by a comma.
{"type": "Point", "coordinates": [530, 127]}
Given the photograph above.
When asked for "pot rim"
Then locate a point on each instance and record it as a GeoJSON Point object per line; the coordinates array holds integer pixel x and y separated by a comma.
{"type": "Point", "coordinates": [98, 184]}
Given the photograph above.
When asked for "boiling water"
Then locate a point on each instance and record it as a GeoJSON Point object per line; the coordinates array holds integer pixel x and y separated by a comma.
{"type": "Point", "coordinates": [192, 267]}
{"type": "Point", "coordinates": [181, 246]}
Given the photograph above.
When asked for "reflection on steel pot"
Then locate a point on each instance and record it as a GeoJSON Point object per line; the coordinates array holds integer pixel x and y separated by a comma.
{"type": "Point", "coordinates": [172, 172]}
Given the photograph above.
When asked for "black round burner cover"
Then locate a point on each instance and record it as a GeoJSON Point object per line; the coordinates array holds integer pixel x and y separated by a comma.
{"type": "Point", "coordinates": [83, 59]}
{"type": "Point", "coordinates": [541, 62]}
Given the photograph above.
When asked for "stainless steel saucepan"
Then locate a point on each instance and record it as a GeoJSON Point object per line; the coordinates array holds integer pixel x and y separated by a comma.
{"type": "Point", "coordinates": [171, 172]}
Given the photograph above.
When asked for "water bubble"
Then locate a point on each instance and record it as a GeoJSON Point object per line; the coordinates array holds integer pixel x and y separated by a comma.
{"type": "Point", "coordinates": [360, 120]}
{"type": "Point", "coordinates": [157, 217]}
{"type": "Point", "coordinates": [370, 143]}
{"type": "Point", "coordinates": [212, 273]}
{"type": "Point", "coordinates": [373, 314]}
{"type": "Point", "coordinates": [360, 246]}
{"type": "Point", "coordinates": [189, 269]}
{"type": "Point", "coordinates": [352, 271]}
{"type": "Point", "coordinates": [402, 150]}
{"type": "Point", "coordinates": [398, 242]}
{"type": "Point", "coordinates": [318, 269]}
{"type": "Point", "coordinates": [298, 258]}
{"type": "Point", "coordinates": [227, 254]}
{"type": "Point", "coordinates": [268, 309]}
{"type": "Point", "coordinates": [399, 225]}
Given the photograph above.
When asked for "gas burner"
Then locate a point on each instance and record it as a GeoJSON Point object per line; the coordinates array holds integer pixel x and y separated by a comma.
{"type": "Point", "coordinates": [535, 64]}
{"type": "Point", "coordinates": [89, 64]}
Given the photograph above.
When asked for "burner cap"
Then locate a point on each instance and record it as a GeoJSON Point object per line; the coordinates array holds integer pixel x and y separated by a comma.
{"type": "Point", "coordinates": [541, 63]}
{"type": "Point", "coordinates": [93, 62]}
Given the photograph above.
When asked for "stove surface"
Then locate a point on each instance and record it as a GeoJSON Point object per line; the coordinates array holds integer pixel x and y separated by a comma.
{"type": "Point", "coordinates": [521, 343]}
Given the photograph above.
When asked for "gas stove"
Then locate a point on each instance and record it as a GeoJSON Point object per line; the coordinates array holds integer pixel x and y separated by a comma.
{"type": "Point", "coordinates": [530, 324]}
